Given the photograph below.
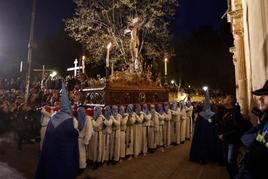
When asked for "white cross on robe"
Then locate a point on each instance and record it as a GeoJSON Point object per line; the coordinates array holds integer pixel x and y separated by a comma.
{"type": "Point", "coordinates": [75, 68]}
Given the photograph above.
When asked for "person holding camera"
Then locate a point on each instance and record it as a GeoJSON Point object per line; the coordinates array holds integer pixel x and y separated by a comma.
{"type": "Point", "coordinates": [256, 141]}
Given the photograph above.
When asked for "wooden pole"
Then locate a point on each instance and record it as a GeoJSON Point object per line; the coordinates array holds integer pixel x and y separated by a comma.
{"type": "Point", "coordinates": [30, 51]}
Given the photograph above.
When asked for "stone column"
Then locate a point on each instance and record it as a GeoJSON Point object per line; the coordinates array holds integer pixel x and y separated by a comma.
{"type": "Point", "coordinates": [232, 50]}
{"type": "Point", "coordinates": [235, 17]}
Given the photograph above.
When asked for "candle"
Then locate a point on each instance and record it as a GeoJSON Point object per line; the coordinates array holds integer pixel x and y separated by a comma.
{"type": "Point", "coordinates": [21, 65]}
{"type": "Point", "coordinates": [166, 66]}
{"type": "Point", "coordinates": [112, 69]}
{"type": "Point", "coordinates": [83, 64]}
{"type": "Point", "coordinates": [108, 54]}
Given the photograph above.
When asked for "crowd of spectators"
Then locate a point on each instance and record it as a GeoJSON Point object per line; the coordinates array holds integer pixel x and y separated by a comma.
{"type": "Point", "coordinates": [24, 118]}
{"type": "Point", "coordinates": [21, 116]}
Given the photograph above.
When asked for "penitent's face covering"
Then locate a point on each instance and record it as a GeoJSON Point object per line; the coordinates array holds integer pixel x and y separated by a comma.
{"type": "Point", "coordinates": [115, 110]}
{"type": "Point", "coordinates": [97, 112]}
{"type": "Point", "coordinates": [145, 108]}
{"type": "Point", "coordinates": [121, 110]}
{"type": "Point", "coordinates": [107, 111]}
{"type": "Point", "coordinates": [130, 108]}
{"type": "Point", "coordinates": [138, 108]}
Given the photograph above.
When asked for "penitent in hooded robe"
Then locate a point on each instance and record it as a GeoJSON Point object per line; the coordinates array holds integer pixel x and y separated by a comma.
{"type": "Point", "coordinates": [85, 133]}
{"type": "Point", "coordinates": [175, 124]}
{"type": "Point", "coordinates": [138, 130]}
{"type": "Point", "coordinates": [204, 143]}
{"type": "Point", "coordinates": [167, 125]}
{"type": "Point", "coordinates": [130, 130]}
{"type": "Point", "coordinates": [60, 153]}
{"type": "Point", "coordinates": [107, 134]}
{"type": "Point", "coordinates": [123, 129]}
{"type": "Point", "coordinates": [145, 128]}
{"type": "Point", "coordinates": [161, 116]}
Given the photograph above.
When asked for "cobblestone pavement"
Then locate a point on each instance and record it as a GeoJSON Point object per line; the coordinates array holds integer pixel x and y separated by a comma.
{"type": "Point", "coordinates": [171, 164]}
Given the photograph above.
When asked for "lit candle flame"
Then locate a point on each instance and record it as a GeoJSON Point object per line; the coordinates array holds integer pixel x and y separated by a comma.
{"type": "Point", "coordinates": [109, 45]}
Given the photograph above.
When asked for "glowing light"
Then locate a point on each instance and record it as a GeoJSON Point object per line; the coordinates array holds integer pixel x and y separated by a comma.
{"type": "Point", "coordinates": [109, 45]}
{"type": "Point", "coordinates": [53, 74]}
{"type": "Point", "coordinates": [166, 59]}
{"type": "Point", "coordinates": [83, 57]}
{"type": "Point", "coordinates": [205, 88]}
{"type": "Point", "coordinates": [172, 82]}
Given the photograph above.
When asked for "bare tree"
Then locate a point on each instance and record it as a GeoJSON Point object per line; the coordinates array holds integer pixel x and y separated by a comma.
{"type": "Point", "coordinates": [98, 22]}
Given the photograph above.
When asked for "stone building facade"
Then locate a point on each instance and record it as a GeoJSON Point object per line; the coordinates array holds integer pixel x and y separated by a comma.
{"type": "Point", "coordinates": [249, 22]}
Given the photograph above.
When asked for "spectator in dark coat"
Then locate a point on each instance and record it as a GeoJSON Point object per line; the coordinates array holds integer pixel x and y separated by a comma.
{"type": "Point", "coordinates": [231, 128]}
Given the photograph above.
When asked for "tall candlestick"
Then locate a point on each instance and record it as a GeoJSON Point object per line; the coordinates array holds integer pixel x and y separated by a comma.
{"type": "Point", "coordinates": [112, 69]}
{"type": "Point", "coordinates": [75, 67]}
{"type": "Point", "coordinates": [108, 54]}
{"type": "Point", "coordinates": [83, 64]}
{"type": "Point", "coordinates": [166, 60]}
{"type": "Point", "coordinates": [43, 72]}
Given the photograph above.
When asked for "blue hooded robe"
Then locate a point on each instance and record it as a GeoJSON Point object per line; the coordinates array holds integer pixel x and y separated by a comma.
{"type": "Point", "coordinates": [59, 158]}
{"type": "Point", "coordinates": [205, 143]}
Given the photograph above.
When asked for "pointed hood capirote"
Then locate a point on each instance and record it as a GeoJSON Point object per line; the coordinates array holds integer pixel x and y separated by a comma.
{"type": "Point", "coordinates": [160, 109]}
{"type": "Point", "coordinates": [107, 112]}
{"type": "Point", "coordinates": [114, 110]}
{"type": "Point", "coordinates": [121, 110]}
{"type": "Point", "coordinates": [206, 113]}
{"type": "Point", "coordinates": [97, 112]}
{"type": "Point", "coordinates": [65, 109]}
{"type": "Point", "coordinates": [81, 117]}
{"type": "Point", "coordinates": [145, 108]}
{"type": "Point", "coordinates": [130, 108]}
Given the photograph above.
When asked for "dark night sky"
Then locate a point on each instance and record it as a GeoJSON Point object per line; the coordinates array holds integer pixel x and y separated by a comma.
{"type": "Point", "coordinates": [15, 23]}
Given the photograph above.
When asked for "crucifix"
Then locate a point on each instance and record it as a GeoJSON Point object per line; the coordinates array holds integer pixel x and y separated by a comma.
{"type": "Point", "coordinates": [75, 68]}
{"type": "Point", "coordinates": [133, 29]}
{"type": "Point", "coordinates": [43, 70]}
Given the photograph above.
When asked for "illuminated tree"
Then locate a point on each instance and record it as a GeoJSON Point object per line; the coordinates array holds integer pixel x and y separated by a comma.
{"type": "Point", "coordinates": [98, 22]}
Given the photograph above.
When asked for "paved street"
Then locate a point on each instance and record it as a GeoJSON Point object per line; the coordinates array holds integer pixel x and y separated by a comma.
{"type": "Point", "coordinates": [171, 164]}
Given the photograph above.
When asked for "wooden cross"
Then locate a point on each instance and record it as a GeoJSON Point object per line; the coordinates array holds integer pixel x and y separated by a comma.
{"type": "Point", "coordinates": [43, 70]}
{"type": "Point", "coordinates": [75, 68]}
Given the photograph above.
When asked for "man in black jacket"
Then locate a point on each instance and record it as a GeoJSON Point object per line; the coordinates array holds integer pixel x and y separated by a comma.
{"type": "Point", "coordinates": [256, 140]}
{"type": "Point", "coordinates": [229, 132]}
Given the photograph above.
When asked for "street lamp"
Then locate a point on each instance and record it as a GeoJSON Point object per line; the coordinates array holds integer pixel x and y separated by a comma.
{"type": "Point", "coordinates": [205, 88]}
{"type": "Point", "coordinates": [53, 74]}
{"type": "Point", "coordinates": [172, 82]}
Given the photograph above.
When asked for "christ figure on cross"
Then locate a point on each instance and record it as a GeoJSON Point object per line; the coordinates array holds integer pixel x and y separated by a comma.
{"type": "Point", "coordinates": [133, 28]}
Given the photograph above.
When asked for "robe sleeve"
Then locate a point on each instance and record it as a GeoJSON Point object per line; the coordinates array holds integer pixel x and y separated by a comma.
{"type": "Point", "coordinates": [89, 130]}
{"type": "Point", "coordinates": [97, 124]}
{"type": "Point", "coordinates": [75, 122]}
{"type": "Point", "coordinates": [183, 115]}
{"type": "Point", "coordinates": [124, 122]}
{"type": "Point", "coordinates": [45, 113]}
{"type": "Point", "coordinates": [168, 115]}
{"type": "Point", "coordinates": [139, 118]}
{"type": "Point", "coordinates": [116, 120]}
{"type": "Point", "coordinates": [132, 119]}
{"type": "Point", "coordinates": [147, 117]}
